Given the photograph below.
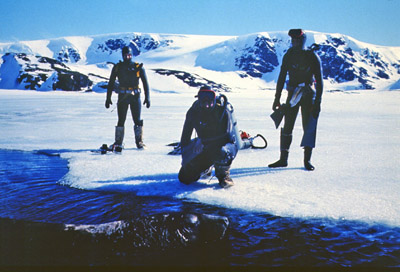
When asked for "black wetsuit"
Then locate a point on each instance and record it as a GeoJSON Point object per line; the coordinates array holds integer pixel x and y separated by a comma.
{"type": "Point", "coordinates": [215, 130]}
{"type": "Point", "coordinates": [128, 74]}
{"type": "Point", "coordinates": [303, 67]}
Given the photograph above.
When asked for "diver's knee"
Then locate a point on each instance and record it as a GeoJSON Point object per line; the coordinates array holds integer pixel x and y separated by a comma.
{"type": "Point", "coordinates": [186, 176]}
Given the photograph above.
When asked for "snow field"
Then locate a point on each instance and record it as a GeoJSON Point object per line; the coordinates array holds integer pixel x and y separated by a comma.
{"type": "Point", "coordinates": [356, 158]}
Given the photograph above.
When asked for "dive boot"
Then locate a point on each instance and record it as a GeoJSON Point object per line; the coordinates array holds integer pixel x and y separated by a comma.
{"type": "Point", "coordinates": [286, 140]}
{"type": "Point", "coordinates": [282, 162]}
{"type": "Point", "coordinates": [139, 136]}
{"type": "Point", "coordinates": [119, 138]}
{"type": "Point", "coordinates": [222, 173]}
{"type": "Point", "coordinates": [307, 159]}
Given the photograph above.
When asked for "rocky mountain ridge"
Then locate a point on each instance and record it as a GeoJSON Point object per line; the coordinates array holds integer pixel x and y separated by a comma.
{"type": "Point", "coordinates": [84, 63]}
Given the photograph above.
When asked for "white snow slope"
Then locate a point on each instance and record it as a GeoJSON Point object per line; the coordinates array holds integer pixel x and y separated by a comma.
{"type": "Point", "coordinates": [211, 57]}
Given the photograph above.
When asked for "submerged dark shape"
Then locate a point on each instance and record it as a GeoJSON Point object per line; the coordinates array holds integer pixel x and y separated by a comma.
{"type": "Point", "coordinates": [158, 231]}
{"type": "Point", "coordinates": [39, 243]}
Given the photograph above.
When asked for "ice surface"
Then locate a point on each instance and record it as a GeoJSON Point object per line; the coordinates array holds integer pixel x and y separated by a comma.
{"type": "Point", "coordinates": [357, 155]}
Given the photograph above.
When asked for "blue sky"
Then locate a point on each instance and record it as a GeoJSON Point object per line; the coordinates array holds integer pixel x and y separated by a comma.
{"type": "Point", "coordinates": [372, 21]}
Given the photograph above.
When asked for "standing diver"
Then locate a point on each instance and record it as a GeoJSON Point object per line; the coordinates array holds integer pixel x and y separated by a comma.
{"type": "Point", "coordinates": [303, 66]}
{"type": "Point", "coordinates": [128, 74]}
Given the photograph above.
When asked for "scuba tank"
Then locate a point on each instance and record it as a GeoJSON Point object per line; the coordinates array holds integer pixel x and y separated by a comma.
{"type": "Point", "coordinates": [233, 128]}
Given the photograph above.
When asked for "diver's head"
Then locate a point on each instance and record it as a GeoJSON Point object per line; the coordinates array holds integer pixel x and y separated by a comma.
{"type": "Point", "coordinates": [126, 53]}
{"type": "Point", "coordinates": [207, 98]}
{"type": "Point", "coordinates": [298, 38]}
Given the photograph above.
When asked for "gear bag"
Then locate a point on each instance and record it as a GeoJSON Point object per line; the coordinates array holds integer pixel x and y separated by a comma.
{"type": "Point", "coordinates": [192, 150]}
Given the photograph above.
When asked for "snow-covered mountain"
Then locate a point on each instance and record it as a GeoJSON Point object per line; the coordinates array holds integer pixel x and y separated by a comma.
{"type": "Point", "coordinates": [225, 62]}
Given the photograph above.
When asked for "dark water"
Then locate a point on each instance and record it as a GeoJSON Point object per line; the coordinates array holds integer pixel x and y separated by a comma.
{"type": "Point", "coordinates": [29, 191]}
